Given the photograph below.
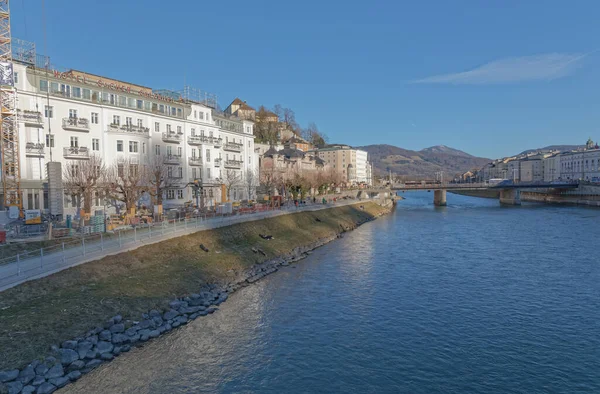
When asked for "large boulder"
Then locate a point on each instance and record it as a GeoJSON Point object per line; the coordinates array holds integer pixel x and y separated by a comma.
{"type": "Point", "coordinates": [83, 348]}
{"type": "Point", "coordinates": [74, 375]}
{"type": "Point", "coordinates": [46, 388]}
{"type": "Point", "coordinates": [59, 382]}
{"type": "Point", "coordinates": [56, 371]}
{"type": "Point", "coordinates": [26, 375]}
{"type": "Point", "coordinates": [69, 345]}
{"type": "Point", "coordinates": [104, 347]}
{"type": "Point", "coordinates": [117, 328]}
{"type": "Point", "coordinates": [14, 387]}
{"type": "Point", "coordinates": [7, 376]}
{"type": "Point", "coordinates": [67, 356]}
{"type": "Point", "coordinates": [104, 335]}
{"type": "Point", "coordinates": [76, 366]}
{"type": "Point", "coordinates": [119, 339]}
{"type": "Point", "coordinates": [171, 314]}
{"type": "Point", "coordinates": [28, 390]}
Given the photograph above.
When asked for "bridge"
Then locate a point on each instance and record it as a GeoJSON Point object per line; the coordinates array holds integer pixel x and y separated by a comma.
{"type": "Point", "coordinates": [509, 192]}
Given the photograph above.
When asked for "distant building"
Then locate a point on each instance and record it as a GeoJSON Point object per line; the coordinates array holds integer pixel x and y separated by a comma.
{"type": "Point", "coordinates": [351, 164]}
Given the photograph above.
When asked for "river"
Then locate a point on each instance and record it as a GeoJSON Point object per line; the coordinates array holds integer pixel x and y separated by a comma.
{"type": "Point", "coordinates": [472, 297]}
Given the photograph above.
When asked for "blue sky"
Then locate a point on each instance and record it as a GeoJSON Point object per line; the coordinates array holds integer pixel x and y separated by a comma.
{"type": "Point", "coordinates": [365, 72]}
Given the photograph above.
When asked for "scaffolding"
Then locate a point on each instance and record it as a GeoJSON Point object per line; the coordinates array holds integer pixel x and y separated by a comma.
{"type": "Point", "coordinates": [194, 95]}
{"type": "Point", "coordinates": [9, 132]}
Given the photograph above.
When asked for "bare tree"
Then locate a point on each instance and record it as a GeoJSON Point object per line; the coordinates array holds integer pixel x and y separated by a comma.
{"type": "Point", "coordinates": [126, 182]}
{"type": "Point", "coordinates": [231, 179]}
{"type": "Point", "coordinates": [158, 178]}
{"type": "Point", "coordinates": [266, 129]}
{"type": "Point", "coordinates": [269, 180]}
{"type": "Point", "coordinates": [287, 116]}
{"type": "Point", "coordinates": [82, 178]}
{"type": "Point", "coordinates": [250, 182]}
{"type": "Point", "coordinates": [314, 136]}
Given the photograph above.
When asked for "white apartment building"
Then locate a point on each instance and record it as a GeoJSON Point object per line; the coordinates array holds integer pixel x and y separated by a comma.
{"type": "Point", "coordinates": [351, 164]}
{"type": "Point", "coordinates": [583, 165]}
{"type": "Point", "coordinates": [69, 116]}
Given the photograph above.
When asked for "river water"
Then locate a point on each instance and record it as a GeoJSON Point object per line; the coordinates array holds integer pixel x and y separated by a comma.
{"type": "Point", "coordinates": [472, 297]}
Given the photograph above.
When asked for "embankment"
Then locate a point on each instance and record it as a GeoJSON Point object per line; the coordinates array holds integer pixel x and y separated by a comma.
{"type": "Point", "coordinates": [560, 199]}
{"type": "Point", "coordinates": [79, 305]}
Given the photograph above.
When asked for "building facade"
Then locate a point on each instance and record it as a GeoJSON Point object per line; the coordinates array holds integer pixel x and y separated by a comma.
{"type": "Point", "coordinates": [350, 164]}
{"type": "Point", "coordinates": [68, 116]}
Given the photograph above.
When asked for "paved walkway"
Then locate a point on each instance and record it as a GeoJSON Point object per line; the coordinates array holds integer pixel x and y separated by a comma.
{"type": "Point", "coordinates": [43, 262]}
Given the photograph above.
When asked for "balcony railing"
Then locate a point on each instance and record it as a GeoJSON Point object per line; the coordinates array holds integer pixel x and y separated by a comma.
{"type": "Point", "coordinates": [34, 149]}
{"type": "Point", "coordinates": [196, 139]}
{"type": "Point", "coordinates": [195, 161]}
{"type": "Point", "coordinates": [76, 124]}
{"type": "Point", "coordinates": [32, 118]}
{"type": "Point", "coordinates": [129, 128]}
{"type": "Point", "coordinates": [172, 159]}
{"type": "Point", "coordinates": [76, 152]}
{"type": "Point", "coordinates": [218, 162]}
{"type": "Point", "coordinates": [233, 146]}
{"type": "Point", "coordinates": [217, 142]}
{"type": "Point", "coordinates": [233, 163]}
{"type": "Point", "coordinates": [171, 137]}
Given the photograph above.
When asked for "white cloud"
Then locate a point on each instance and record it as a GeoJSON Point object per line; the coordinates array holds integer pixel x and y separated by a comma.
{"type": "Point", "coordinates": [515, 69]}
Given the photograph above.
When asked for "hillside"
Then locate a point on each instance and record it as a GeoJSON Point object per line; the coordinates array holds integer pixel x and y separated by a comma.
{"type": "Point", "coordinates": [423, 163]}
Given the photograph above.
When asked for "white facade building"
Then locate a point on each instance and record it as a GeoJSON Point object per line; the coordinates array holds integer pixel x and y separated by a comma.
{"type": "Point", "coordinates": [583, 165]}
{"type": "Point", "coordinates": [67, 117]}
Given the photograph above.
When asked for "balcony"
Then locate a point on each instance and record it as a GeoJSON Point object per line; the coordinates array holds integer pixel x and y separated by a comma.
{"type": "Point", "coordinates": [233, 146]}
{"type": "Point", "coordinates": [195, 161]}
{"type": "Point", "coordinates": [171, 137]}
{"type": "Point", "coordinates": [76, 124]}
{"type": "Point", "coordinates": [172, 159]}
{"type": "Point", "coordinates": [30, 118]}
{"type": "Point", "coordinates": [196, 139]}
{"type": "Point", "coordinates": [76, 152]}
{"type": "Point", "coordinates": [129, 128]}
{"type": "Point", "coordinates": [34, 149]}
{"type": "Point", "coordinates": [218, 162]}
{"type": "Point", "coordinates": [233, 163]}
{"type": "Point", "coordinates": [217, 142]}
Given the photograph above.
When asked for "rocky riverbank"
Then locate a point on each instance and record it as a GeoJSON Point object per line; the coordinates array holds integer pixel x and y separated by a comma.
{"type": "Point", "coordinates": [81, 354]}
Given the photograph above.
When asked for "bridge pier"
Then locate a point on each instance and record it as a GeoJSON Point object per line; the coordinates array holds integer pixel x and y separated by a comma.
{"type": "Point", "coordinates": [439, 198]}
{"type": "Point", "coordinates": [510, 197]}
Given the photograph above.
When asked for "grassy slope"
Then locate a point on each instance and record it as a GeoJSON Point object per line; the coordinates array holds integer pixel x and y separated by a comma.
{"type": "Point", "coordinates": [62, 306]}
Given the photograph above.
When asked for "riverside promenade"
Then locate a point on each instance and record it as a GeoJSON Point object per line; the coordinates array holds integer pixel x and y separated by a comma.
{"type": "Point", "coordinates": [42, 262]}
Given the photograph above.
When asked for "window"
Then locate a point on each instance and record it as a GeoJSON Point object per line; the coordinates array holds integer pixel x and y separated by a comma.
{"type": "Point", "coordinates": [96, 96]}
{"type": "Point", "coordinates": [156, 126]}
{"type": "Point", "coordinates": [208, 155]}
{"type": "Point", "coordinates": [131, 102]}
{"type": "Point", "coordinates": [87, 94]}
{"type": "Point", "coordinates": [50, 140]}
{"type": "Point", "coordinates": [76, 92]}
{"type": "Point", "coordinates": [147, 105]}
{"type": "Point", "coordinates": [128, 121]}
{"type": "Point", "coordinates": [74, 142]}
{"type": "Point", "coordinates": [193, 131]}
{"type": "Point", "coordinates": [113, 99]}
{"type": "Point", "coordinates": [120, 146]}
{"type": "Point", "coordinates": [194, 173]}
{"type": "Point", "coordinates": [195, 114]}
{"type": "Point", "coordinates": [201, 115]}
{"type": "Point", "coordinates": [169, 150]}
{"type": "Point", "coordinates": [133, 147]}
{"type": "Point", "coordinates": [193, 153]}
{"type": "Point", "coordinates": [54, 87]}
{"type": "Point", "coordinates": [65, 90]}
{"type": "Point", "coordinates": [168, 128]}
{"type": "Point", "coordinates": [180, 172]}
{"type": "Point", "coordinates": [170, 172]}
{"type": "Point", "coordinates": [157, 150]}
{"type": "Point", "coordinates": [179, 112]}
{"type": "Point", "coordinates": [116, 120]}
{"type": "Point", "coordinates": [180, 194]}
{"type": "Point", "coordinates": [120, 170]}
{"type": "Point", "coordinates": [139, 104]}
{"type": "Point", "coordinates": [43, 85]}
{"type": "Point", "coordinates": [208, 173]}
{"type": "Point", "coordinates": [179, 151]}
{"type": "Point", "coordinates": [140, 123]}
{"type": "Point", "coordinates": [161, 108]}
{"type": "Point", "coordinates": [48, 111]}
{"type": "Point", "coordinates": [133, 170]}
{"type": "Point", "coordinates": [122, 101]}
{"type": "Point", "coordinates": [95, 144]}
{"type": "Point", "coordinates": [170, 194]}
{"type": "Point", "coordinates": [143, 147]}
{"type": "Point", "coordinates": [95, 117]}
{"type": "Point", "coordinates": [173, 111]}
{"type": "Point", "coordinates": [72, 113]}
{"type": "Point", "coordinates": [178, 129]}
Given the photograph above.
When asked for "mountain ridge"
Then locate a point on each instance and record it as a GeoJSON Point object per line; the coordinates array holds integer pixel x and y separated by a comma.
{"type": "Point", "coordinates": [424, 163]}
